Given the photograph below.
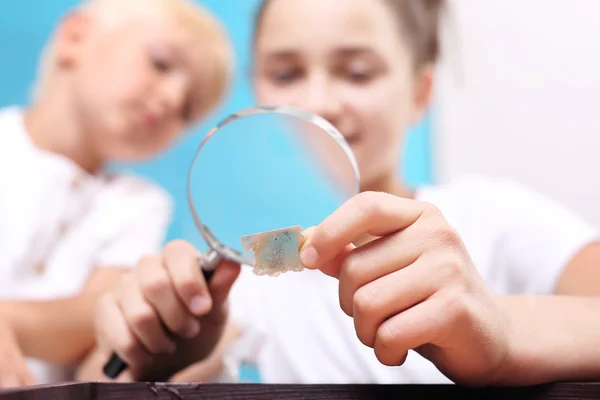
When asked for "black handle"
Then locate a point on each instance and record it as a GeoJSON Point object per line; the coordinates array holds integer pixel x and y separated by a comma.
{"type": "Point", "coordinates": [115, 366]}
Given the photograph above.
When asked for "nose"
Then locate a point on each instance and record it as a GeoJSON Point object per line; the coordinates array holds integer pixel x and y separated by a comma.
{"type": "Point", "coordinates": [173, 96]}
{"type": "Point", "coordinates": [320, 96]}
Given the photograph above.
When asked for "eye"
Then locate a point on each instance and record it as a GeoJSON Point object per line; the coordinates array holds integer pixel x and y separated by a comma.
{"type": "Point", "coordinates": [359, 75]}
{"type": "Point", "coordinates": [285, 75]}
{"type": "Point", "coordinates": [161, 64]}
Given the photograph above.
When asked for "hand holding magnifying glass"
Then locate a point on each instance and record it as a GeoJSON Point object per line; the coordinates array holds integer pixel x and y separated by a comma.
{"type": "Point", "coordinates": [257, 178]}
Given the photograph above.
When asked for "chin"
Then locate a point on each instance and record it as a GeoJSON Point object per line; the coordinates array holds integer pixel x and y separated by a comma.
{"type": "Point", "coordinates": [126, 154]}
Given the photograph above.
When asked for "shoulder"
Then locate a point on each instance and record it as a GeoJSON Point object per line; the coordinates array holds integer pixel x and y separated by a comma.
{"type": "Point", "coordinates": [478, 193]}
{"type": "Point", "coordinates": [11, 124]}
{"type": "Point", "coordinates": [135, 197]}
{"type": "Point", "coordinates": [10, 113]}
{"type": "Point", "coordinates": [472, 187]}
{"type": "Point", "coordinates": [504, 207]}
{"type": "Point", "coordinates": [136, 189]}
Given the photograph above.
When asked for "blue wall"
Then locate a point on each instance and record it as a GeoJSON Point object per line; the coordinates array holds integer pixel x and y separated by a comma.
{"type": "Point", "coordinates": [25, 26]}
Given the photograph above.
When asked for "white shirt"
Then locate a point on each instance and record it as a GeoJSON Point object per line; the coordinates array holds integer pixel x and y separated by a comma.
{"type": "Point", "coordinates": [519, 241]}
{"type": "Point", "coordinates": [57, 223]}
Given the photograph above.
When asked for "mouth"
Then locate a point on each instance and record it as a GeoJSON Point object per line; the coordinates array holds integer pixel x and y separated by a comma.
{"type": "Point", "coordinates": [150, 120]}
{"type": "Point", "coordinates": [352, 139]}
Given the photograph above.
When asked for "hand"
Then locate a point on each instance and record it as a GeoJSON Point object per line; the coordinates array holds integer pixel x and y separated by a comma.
{"type": "Point", "coordinates": [13, 369]}
{"type": "Point", "coordinates": [413, 287]}
{"type": "Point", "coordinates": [164, 313]}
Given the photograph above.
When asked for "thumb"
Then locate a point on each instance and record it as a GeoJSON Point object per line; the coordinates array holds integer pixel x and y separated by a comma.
{"type": "Point", "coordinates": [223, 279]}
{"type": "Point", "coordinates": [331, 268]}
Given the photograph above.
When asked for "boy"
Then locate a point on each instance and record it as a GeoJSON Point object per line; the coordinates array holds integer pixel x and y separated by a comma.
{"type": "Point", "coordinates": [120, 80]}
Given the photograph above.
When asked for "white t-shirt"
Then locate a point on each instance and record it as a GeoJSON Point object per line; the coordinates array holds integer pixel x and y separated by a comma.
{"type": "Point", "coordinates": [57, 223]}
{"type": "Point", "coordinates": [519, 241]}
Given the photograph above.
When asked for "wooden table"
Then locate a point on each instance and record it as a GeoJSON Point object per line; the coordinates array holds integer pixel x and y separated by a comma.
{"type": "Point", "coordinates": [133, 391]}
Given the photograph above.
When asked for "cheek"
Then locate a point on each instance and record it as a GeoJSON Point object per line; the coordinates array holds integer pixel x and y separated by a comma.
{"type": "Point", "coordinates": [264, 93]}
{"type": "Point", "coordinates": [267, 93]}
{"type": "Point", "coordinates": [381, 110]}
{"type": "Point", "coordinates": [382, 113]}
{"type": "Point", "coordinates": [115, 79]}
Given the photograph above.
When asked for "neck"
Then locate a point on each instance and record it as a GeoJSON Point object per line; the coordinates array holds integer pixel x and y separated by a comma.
{"type": "Point", "coordinates": [52, 126]}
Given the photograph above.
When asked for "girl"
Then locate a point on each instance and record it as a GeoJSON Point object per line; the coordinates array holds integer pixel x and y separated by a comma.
{"type": "Point", "coordinates": [368, 67]}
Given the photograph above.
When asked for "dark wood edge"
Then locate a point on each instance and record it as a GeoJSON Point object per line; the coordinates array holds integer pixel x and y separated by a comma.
{"type": "Point", "coordinates": [159, 391]}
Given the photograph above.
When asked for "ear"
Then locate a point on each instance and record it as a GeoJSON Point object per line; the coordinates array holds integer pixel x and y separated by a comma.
{"type": "Point", "coordinates": [71, 33]}
{"type": "Point", "coordinates": [422, 92]}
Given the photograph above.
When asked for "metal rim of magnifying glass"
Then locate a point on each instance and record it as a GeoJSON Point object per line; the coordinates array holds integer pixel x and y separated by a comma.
{"type": "Point", "coordinates": [217, 249]}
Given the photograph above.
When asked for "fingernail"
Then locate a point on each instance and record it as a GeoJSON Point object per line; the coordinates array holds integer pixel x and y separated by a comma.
{"type": "Point", "coordinates": [192, 330]}
{"type": "Point", "coordinates": [309, 257]}
{"type": "Point", "coordinates": [200, 305]}
{"type": "Point", "coordinates": [302, 241]}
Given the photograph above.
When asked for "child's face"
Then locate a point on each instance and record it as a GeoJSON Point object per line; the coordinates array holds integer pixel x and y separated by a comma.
{"type": "Point", "coordinates": [135, 87]}
{"type": "Point", "coordinates": [346, 61]}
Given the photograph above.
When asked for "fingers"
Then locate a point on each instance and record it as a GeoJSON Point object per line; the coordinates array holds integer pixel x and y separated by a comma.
{"type": "Point", "coordinates": [376, 214]}
{"type": "Point", "coordinates": [25, 376]}
{"type": "Point", "coordinates": [182, 263]}
{"type": "Point", "coordinates": [222, 281]}
{"type": "Point", "coordinates": [114, 333]}
{"type": "Point", "coordinates": [160, 295]}
{"type": "Point", "coordinates": [371, 305]}
{"type": "Point", "coordinates": [13, 368]}
{"type": "Point", "coordinates": [334, 268]}
{"type": "Point", "coordinates": [375, 260]}
{"type": "Point", "coordinates": [17, 373]}
{"type": "Point", "coordinates": [409, 330]}
{"type": "Point", "coordinates": [142, 319]}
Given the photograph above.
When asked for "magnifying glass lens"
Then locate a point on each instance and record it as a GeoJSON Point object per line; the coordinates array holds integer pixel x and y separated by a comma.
{"type": "Point", "coordinates": [269, 169]}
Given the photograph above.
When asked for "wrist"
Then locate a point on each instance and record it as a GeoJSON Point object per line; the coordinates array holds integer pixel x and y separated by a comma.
{"type": "Point", "coordinates": [507, 372]}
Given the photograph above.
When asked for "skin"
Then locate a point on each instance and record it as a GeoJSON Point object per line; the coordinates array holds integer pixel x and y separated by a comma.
{"type": "Point", "coordinates": [157, 78]}
{"type": "Point", "coordinates": [404, 274]}
{"type": "Point", "coordinates": [164, 289]}
{"type": "Point", "coordinates": [426, 295]}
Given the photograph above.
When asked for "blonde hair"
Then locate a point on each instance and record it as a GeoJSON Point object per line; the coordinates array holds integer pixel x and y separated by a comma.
{"type": "Point", "coordinates": [113, 13]}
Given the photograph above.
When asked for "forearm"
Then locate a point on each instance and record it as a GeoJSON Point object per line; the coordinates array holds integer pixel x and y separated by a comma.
{"type": "Point", "coordinates": [58, 331]}
{"type": "Point", "coordinates": [552, 338]}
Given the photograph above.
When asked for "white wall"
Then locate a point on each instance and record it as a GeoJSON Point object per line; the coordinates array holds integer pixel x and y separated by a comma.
{"type": "Point", "coordinates": [519, 93]}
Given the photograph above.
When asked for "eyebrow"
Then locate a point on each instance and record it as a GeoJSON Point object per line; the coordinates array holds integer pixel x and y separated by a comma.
{"type": "Point", "coordinates": [355, 51]}
{"type": "Point", "coordinates": [345, 51]}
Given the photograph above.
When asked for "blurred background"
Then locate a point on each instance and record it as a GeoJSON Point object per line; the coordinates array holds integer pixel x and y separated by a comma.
{"type": "Point", "coordinates": [518, 96]}
{"type": "Point", "coordinates": [25, 27]}
{"type": "Point", "coordinates": [500, 109]}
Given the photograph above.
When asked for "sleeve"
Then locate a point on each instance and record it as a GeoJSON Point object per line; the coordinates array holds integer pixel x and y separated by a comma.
{"type": "Point", "coordinates": [537, 238]}
{"type": "Point", "coordinates": [143, 221]}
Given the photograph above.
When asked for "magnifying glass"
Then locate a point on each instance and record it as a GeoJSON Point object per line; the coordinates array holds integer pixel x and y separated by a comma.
{"type": "Point", "coordinates": [262, 169]}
